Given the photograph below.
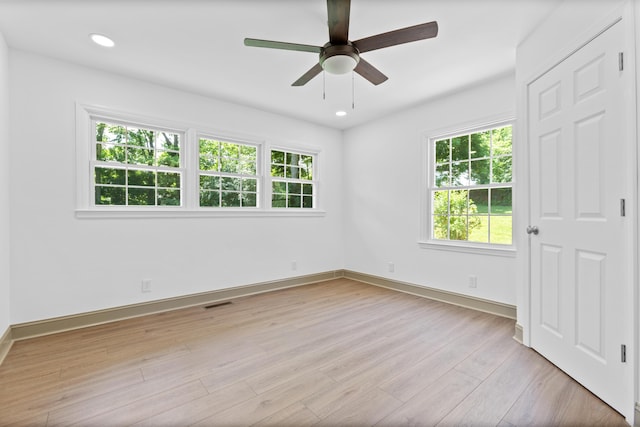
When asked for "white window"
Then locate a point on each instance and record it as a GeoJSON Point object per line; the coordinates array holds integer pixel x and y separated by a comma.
{"type": "Point", "coordinates": [292, 184]}
{"type": "Point", "coordinates": [228, 174]}
{"type": "Point", "coordinates": [471, 187]}
{"type": "Point", "coordinates": [137, 166]}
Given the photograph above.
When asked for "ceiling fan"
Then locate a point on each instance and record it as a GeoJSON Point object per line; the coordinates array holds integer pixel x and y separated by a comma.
{"type": "Point", "coordinates": [340, 55]}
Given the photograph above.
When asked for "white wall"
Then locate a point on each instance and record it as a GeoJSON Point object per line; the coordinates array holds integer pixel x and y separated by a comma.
{"type": "Point", "coordinates": [63, 265]}
{"type": "Point", "coordinates": [5, 274]}
{"type": "Point", "coordinates": [383, 171]}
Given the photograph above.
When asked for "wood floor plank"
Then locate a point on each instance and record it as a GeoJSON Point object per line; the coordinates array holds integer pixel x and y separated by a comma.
{"type": "Point", "coordinates": [433, 403]}
{"type": "Point", "coordinates": [333, 353]}
{"type": "Point", "coordinates": [200, 408]}
{"type": "Point", "coordinates": [269, 403]}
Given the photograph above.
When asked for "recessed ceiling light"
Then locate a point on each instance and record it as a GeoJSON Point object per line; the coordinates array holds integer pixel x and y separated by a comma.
{"type": "Point", "coordinates": [341, 113]}
{"type": "Point", "coordinates": [102, 40]}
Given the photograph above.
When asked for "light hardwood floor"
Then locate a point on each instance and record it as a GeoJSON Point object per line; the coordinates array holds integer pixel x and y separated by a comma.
{"type": "Point", "coordinates": [338, 353]}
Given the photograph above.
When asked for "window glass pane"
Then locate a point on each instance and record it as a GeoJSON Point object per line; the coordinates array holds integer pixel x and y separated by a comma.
{"type": "Point", "coordinates": [140, 137]}
{"type": "Point", "coordinates": [502, 141]}
{"type": "Point", "coordinates": [141, 178]}
{"type": "Point", "coordinates": [249, 185]}
{"type": "Point", "coordinates": [110, 133]}
{"type": "Point", "coordinates": [480, 171]}
{"type": "Point", "coordinates": [167, 179]}
{"type": "Point", "coordinates": [501, 201]}
{"type": "Point", "coordinates": [502, 169]}
{"type": "Point", "coordinates": [460, 148]}
{"type": "Point", "coordinates": [247, 166]}
{"type": "Point", "coordinates": [479, 229]}
{"type": "Point", "coordinates": [480, 144]}
{"type": "Point", "coordinates": [458, 202]}
{"type": "Point", "coordinates": [248, 151]}
{"type": "Point", "coordinates": [230, 184]}
{"type": "Point", "coordinates": [295, 201]}
{"type": "Point", "coordinates": [440, 227]}
{"type": "Point", "coordinates": [442, 151]}
{"type": "Point", "coordinates": [501, 230]}
{"type": "Point", "coordinates": [210, 198]}
{"type": "Point", "coordinates": [168, 141]}
{"type": "Point", "coordinates": [142, 196]}
{"type": "Point", "coordinates": [306, 166]}
{"type": "Point", "coordinates": [279, 201]}
{"type": "Point", "coordinates": [110, 153]}
{"type": "Point", "coordinates": [293, 172]}
{"type": "Point", "coordinates": [140, 156]}
{"type": "Point", "coordinates": [458, 227]}
{"type": "Point", "coordinates": [168, 197]}
{"type": "Point", "coordinates": [209, 153]}
{"type": "Point", "coordinates": [110, 176]}
{"type": "Point", "coordinates": [307, 202]}
{"type": "Point", "coordinates": [277, 171]}
{"type": "Point", "coordinates": [209, 182]}
{"type": "Point", "coordinates": [441, 203]}
{"type": "Point", "coordinates": [110, 196]}
{"type": "Point", "coordinates": [479, 201]}
{"type": "Point", "coordinates": [249, 200]}
{"type": "Point", "coordinates": [307, 189]}
{"type": "Point", "coordinates": [295, 188]}
{"type": "Point", "coordinates": [229, 150]}
{"type": "Point", "coordinates": [230, 199]}
{"type": "Point", "coordinates": [279, 187]}
{"type": "Point", "coordinates": [229, 165]}
{"type": "Point", "coordinates": [460, 174]}
{"type": "Point", "coordinates": [292, 159]}
{"type": "Point", "coordinates": [277, 157]}
{"type": "Point", "coordinates": [168, 158]}
{"type": "Point", "coordinates": [442, 178]}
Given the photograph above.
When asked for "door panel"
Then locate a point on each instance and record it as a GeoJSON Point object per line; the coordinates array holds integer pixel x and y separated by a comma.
{"type": "Point", "coordinates": [579, 281]}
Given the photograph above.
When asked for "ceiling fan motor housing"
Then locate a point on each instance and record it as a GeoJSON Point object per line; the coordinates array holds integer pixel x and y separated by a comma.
{"type": "Point", "coordinates": [339, 59]}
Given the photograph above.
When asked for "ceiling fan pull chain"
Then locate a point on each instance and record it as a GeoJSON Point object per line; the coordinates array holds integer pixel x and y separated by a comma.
{"type": "Point", "coordinates": [353, 91]}
{"type": "Point", "coordinates": [324, 85]}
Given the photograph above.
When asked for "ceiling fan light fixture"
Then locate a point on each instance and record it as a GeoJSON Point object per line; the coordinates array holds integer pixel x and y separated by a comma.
{"type": "Point", "coordinates": [339, 64]}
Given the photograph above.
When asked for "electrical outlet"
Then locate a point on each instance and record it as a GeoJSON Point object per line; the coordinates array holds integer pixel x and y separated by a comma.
{"type": "Point", "coordinates": [146, 285]}
{"type": "Point", "coordinates": [473, 281]}
{"type": "Point", "coordinates": [391, 267]}
{"type": "Point", "coordinates": [294, 265]}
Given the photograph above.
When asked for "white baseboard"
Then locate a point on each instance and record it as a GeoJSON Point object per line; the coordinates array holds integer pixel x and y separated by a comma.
{"type": "Point", "coordinates": [6, 341]}
{"type": "Point", "coordinates": [487, 306]}
{"type": "Point", "coordinates": [82, 320]}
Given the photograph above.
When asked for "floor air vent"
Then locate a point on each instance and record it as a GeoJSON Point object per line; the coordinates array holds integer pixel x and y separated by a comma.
{"type": "Point", "coordinates": [220, 304]}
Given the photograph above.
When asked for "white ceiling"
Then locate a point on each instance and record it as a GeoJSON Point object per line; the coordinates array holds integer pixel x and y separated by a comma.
{"type": "Point", "coordinates": [197, 46]}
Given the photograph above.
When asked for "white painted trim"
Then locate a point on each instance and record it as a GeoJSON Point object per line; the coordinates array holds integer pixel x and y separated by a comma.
{"type": "Point", "coordinates": [426, 185]}
{"type": "Point", "coordinates": [474, 303]}
{"type": "Point", "coordinates": [199, 213]}
{"type": "Point", "coordinates": [470, 248]}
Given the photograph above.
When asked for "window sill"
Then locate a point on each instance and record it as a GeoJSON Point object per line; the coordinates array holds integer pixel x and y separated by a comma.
{"type": "Point", "coordinates": [200, 213]}
{"type": "Point", "coordinates": [508, 251]}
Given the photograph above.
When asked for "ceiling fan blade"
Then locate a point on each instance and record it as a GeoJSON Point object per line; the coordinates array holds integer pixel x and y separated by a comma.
{"type": "Point", "coordinates": [338, 19]}
{"type": "Point", "coordinates": [370, 72]}
{"type": "Point", "coordinates": [281, 45]}
{"type": "Point", "coordinates": [404, 35]}
{"type": "Point", "coordinates": [314, 71]}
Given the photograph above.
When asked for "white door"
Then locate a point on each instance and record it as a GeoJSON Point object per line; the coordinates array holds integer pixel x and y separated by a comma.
{"type": "Point", "coordinates": [580, 284]}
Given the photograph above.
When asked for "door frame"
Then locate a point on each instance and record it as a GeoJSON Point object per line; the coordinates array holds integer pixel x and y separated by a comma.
{"type": "Point", "coordinates": [626, 16]}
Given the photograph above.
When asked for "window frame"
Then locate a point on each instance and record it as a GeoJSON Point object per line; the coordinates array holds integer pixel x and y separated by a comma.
{"type": "Point", "coordinates": [270, 179]}
{"type": "Point", "coordinates": [85, 150]}
{"type": "Point", "coordinates": [427, 241]}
